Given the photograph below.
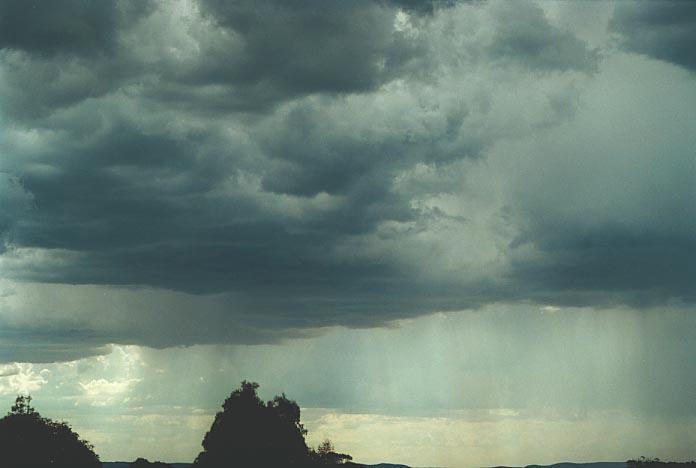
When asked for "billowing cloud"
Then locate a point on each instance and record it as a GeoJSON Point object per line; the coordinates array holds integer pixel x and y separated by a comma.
{"type": "Point", "coordinates": [8, 370]}
{"type": "Point", "coordinates": [215, 172]}
{"type": "Point", "coordinates": [662, 30]}
{"type": "Point", "coordinates": [15, 200]}
{"type": "Point", "coordinates": [65, 26]}
{"type": "Point", "coordinates": [524, 35]}
{"type": "Point", "coordinates": [60, 54]}
{"type": "Point", "coordinates": [305, 47]}
{"type": "Point", "coordinates": [21, 379]}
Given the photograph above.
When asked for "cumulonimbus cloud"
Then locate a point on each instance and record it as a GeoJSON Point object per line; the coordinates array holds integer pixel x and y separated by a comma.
{"type": "Point", "coordinates": [263, 170]}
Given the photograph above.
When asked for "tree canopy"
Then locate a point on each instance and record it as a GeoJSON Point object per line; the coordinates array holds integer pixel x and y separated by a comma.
{"type": "Point", "coordinates": [325, 455]}
{"type": "Point", "coordinates": [28, 439]}
{"type": "Point", "coordinates": [250, 433]}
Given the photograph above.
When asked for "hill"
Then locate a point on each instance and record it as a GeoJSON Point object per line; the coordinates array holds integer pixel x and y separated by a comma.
{"type": "Point", "coordinates": [582, 465]}
{"type": "Point", "coordinates": [120, 464]}
{"type": "Point", "coordinates": [576, 465]}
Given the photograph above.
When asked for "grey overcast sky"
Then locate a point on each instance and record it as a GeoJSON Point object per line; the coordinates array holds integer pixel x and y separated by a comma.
{"type": "Point", "coordinates": [458, 233]}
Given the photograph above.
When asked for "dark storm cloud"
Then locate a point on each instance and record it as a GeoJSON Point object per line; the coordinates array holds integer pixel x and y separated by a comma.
{"type": "Point", "coordinates": [226, 56]}
{"type": "Point", "coordinates": [252, 55]}
{"type": "Point", "coordinates": [242, 56]}
{"type": "Point", "coordinates": [345, 197]}
{"type": "Point", "coordinates": [60, 53]}
{"type": "Point", "coordinates": [315, 150]}
{"type": "Point", "coordinates": [664, 30]}
{"type": "Point", "coordinates": [16, 201]}
{"type": "Point", "coordinates": [34, 86]}
{"type": "Point", "coordinates": [48, 346]}
{"type": "Point", "coordinates": [615, 220]}
{"type": "Point", "coordinates": [76, 27]}
{"type": "Point", "coordinates": [152, 218]}
{"type": "Point", "coordinates": [305, 47]}
{"type": "Point", "coordinates": [613, 266]}
{"type": "Point", "coordinates": [526, 37]}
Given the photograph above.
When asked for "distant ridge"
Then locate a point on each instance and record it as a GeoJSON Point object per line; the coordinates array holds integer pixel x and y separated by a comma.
{"type": "Point", "coordinates": [120, 464]}
{"type": "Point", "coordinates": [574, 465]}
{"type": "Point", "coordinates": [582, 465]}
{"type": "Point", "coordinates": [385, 465]}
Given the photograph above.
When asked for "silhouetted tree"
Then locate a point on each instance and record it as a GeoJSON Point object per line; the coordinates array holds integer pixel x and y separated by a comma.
{"type": "Point", "coordinates": [644, 462]}
{"type": "Point", "coordinates": [250, 433]}
{"type": "Point", "coordinates": [325, 454]}
{"type": "Point", "coordinates": [29, 440]}
{"type": "Point", "coordinates": [144, 463]}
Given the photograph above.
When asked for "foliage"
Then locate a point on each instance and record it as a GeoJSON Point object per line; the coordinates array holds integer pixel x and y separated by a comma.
{"type": "Point", "coordinates": [27, 439]}
{"type": "Point", "coordinates": [325, 454]}
{"type": "Point", "coordinates": [247, 433]}
{"type": "Point", "coordinates": [250, 433]}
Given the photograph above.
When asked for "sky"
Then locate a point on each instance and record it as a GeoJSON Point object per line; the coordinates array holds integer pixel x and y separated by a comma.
{"type": "Point", "coordinates": [458, 233]}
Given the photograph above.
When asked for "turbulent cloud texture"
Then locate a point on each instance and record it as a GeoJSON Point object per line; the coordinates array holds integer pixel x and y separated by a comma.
{"type": "Point", "coordinates": [178, 173]}
{"type": "Point", "coordinates": [663, 30]}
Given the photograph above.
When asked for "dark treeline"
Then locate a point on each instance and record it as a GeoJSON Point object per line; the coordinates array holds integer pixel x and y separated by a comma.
{"type": "Point", "coordinates": [643, 462]}
{"type": "Point", "coordinates": [247, 433]}
{"type": "Point", "coordinates": [29, 440]}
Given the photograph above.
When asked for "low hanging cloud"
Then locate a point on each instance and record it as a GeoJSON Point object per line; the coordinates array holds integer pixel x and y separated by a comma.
{"type": "Point", "coordinates": [214, 172]}
{"type": "Point", "coordinates": [662, 30]}
{"type": "Point", "coordinates": [525, 36]}
{"type": "Point", "coordinates": [71, 27]}
{"type": "Point", "coordinates": [16, 200]}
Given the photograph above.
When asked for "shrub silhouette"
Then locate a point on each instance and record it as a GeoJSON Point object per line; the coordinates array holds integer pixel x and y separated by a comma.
{"type": "Point", "coordinates": [643, 462]}
{"type": "Point", "coordinates": [29, 440]}
{"type": "Point", "coordinates": [325, 455]}
{"type": "Point", "coordinates": [144, 463]}
{"type": "Point", "coordinates": [249, 433]}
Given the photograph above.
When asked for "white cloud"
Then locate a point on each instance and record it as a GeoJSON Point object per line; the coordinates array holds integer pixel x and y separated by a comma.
{"type": "Point", "coordinates": [9, 369]}
{"type": "Point", "coordinates": [22, 378]}
{"type": "Point", "coordinates": [102, 392]}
